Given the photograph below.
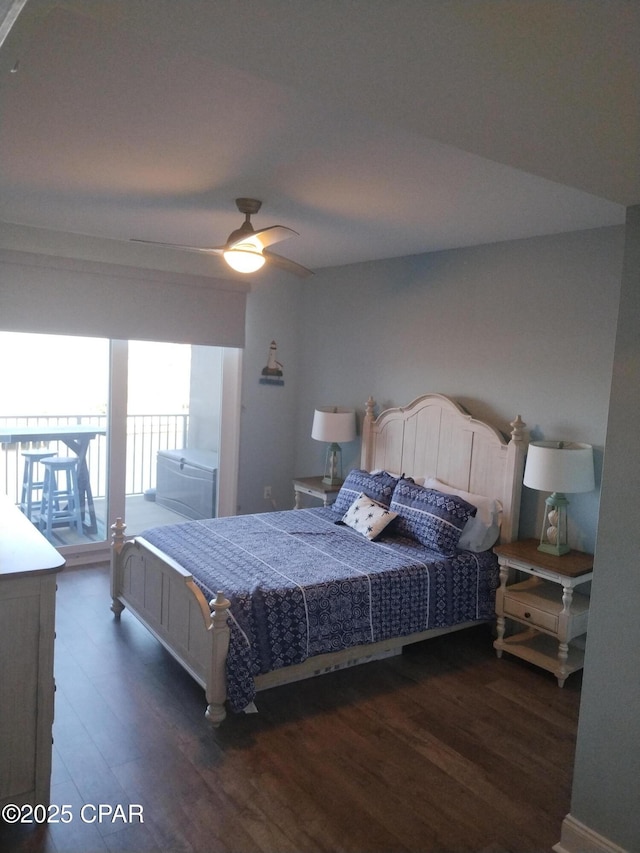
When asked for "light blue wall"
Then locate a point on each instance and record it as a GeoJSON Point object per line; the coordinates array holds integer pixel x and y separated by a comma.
{"type": "Point", "coordinates": [607, 768]}
{"type": "Point", "coordinates": [269, 418]}
{"type": "Point", "coordinates": [524, 327]}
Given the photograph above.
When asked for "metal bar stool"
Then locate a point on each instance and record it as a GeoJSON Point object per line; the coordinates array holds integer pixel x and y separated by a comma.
{"type": "Point", "coordinates": [31, 484]}
{"type": "Point", "coordinates": [60, 505]}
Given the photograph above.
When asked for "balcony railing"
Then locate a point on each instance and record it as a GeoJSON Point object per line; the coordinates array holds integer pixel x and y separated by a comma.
{"type": "Point", "coordinates": [146, 434]}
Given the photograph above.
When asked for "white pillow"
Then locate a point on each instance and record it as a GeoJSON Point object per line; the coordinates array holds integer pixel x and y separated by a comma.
{"type": "Point", "coordinates": [368, 516]}
{"type": "Point", "coordinates": [481, 531]}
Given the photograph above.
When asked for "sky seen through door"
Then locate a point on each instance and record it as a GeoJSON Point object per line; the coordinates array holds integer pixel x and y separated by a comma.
{"type": "Point", "coordinates": [60, 375]}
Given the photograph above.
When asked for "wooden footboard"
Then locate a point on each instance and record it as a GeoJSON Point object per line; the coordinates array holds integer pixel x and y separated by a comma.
{"type": "Point", "coordinates": [165, 598]}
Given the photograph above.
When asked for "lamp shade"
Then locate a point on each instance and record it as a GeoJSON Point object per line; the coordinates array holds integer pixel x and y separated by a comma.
{"type": "Point", "coordinates": [334, 425]}
{"type": "Point", "coordinates": [559, 466]}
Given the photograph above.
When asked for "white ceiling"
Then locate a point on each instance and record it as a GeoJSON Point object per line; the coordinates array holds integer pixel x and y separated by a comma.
{"type": "Point", "coordinates": [374, 128]}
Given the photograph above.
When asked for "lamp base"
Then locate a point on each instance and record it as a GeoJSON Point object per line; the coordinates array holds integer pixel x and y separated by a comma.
{"type": "Point", "coordinates": [332, 481]}
{"type": "Point", "coordinates": [553, 538]}
{"type": "Point", "coordinates": [558, 550]}
{"type": "Point", "coordinates": [333, 466]}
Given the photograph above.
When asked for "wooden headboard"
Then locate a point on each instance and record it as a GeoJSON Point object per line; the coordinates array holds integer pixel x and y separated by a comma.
{"type": "Point", "coordinates": [435, 437]}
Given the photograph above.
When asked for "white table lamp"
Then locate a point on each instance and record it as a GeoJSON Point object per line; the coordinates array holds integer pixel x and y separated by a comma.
{"type": "Point", "coordinates": [558, 467]}
{"type": "Point", "coordinates": [333, 425]}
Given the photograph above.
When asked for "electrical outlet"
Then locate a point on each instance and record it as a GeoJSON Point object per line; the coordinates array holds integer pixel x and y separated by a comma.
{"type": "Point", "coordinates": [267, 493]}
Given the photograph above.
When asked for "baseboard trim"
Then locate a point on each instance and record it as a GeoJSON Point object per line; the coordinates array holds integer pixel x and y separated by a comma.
{"type": "Point", "coordinates": [578, 838]}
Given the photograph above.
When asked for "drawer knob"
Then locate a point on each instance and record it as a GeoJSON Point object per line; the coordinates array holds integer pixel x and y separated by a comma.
{"type": "Point", "coordinates": [527, 615]}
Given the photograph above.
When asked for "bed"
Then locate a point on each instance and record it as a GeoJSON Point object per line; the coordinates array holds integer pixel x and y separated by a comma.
{"type": "Point", "coordinates": [249, 602]}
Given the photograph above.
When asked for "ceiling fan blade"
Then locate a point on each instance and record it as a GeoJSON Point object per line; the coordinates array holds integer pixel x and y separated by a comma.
{"type": "Point", "coordinates": [212, 250]}
{"type": "Point", "coordinates": [247, 239]}
{"type": "Point", "coordinates": [273, 234]}
{"type": "Point", "coordinates": [287, 265]}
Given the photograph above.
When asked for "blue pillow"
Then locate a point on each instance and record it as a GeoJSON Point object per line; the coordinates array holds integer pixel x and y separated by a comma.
{"type": "Point", "coordinates": [432, 518]}
{"type": "Point", "coordinates": [379, 487]}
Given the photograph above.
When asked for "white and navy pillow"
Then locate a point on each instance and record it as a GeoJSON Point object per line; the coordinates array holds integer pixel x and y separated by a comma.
{"type": "Point", "coordinates": [379, 487]}
{"type": "Point", "coordinates": [368, 516]}
{"type": "Point", "coordinates": [432, 518]}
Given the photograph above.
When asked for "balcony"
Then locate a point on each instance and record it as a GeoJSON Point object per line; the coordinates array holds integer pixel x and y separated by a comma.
{"type": "Point", "coordinates": [146, 435]}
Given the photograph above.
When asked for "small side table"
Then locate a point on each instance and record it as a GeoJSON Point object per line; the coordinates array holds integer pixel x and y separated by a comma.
{"type": "Point", "coordinates": [314, 487]}
{"type": "Point", "coordinates": [555, 615]}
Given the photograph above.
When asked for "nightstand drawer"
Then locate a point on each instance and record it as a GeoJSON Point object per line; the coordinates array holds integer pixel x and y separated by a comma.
{"type": "Point", "coordinates": [524, 612]}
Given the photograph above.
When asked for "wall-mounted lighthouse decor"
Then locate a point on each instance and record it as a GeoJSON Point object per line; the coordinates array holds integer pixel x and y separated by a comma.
{"type": "Point", "coordinates": [272, 374]}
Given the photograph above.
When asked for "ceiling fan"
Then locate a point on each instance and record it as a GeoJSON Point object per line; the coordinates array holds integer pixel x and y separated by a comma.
{"type": "Point", "coordinates": [246, 249]}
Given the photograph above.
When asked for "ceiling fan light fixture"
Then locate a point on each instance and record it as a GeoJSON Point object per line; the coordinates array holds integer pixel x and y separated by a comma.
{"type": "Point", "coordinates": [245, 248]}
{"type": "Point", "coordinates": [244, 258]}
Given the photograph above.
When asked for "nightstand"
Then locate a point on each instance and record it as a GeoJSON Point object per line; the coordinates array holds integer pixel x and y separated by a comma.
{"type": "Point", "coordinates": [555, 615]}
{"type": "Point", "coordinates": [314, 487]}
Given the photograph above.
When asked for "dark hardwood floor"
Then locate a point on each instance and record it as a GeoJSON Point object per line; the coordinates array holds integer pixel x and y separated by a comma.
{"type": "Point", "coordinates": [445, 748]}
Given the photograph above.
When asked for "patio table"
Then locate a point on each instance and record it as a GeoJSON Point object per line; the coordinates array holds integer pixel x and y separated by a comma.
{"type": "Point", "coordinates": [77, 438]}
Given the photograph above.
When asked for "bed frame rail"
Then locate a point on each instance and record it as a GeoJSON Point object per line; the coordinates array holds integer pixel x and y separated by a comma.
{"type": "Point", "coordinates": [168, 602]}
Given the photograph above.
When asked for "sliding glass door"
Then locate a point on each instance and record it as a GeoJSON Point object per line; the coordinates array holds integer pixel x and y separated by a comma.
{"type": "Point", "coordinates": [144, 421]}
{"type": "Point", "coordinates": [173, 427]}
{"type": "Point", "coordinates": [54, 394]}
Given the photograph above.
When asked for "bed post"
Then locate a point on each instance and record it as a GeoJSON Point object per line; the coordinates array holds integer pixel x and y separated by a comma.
{"type": "Point", "coordinates": [516, 453]}
{"type": "Point", "coordinates": [366, 451]}
{"type": "Point", "coordinates": [117, 544]}
{"type": "Point", "coordinates": [217, 677]}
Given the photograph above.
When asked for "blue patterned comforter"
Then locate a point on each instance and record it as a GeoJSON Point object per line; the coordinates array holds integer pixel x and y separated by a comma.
{"type": "Point", "coordinates": [301, 585]}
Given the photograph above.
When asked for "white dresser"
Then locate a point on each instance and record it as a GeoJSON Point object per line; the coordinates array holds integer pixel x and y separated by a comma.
{"type": "Point", "coordinates": [28, 566]}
